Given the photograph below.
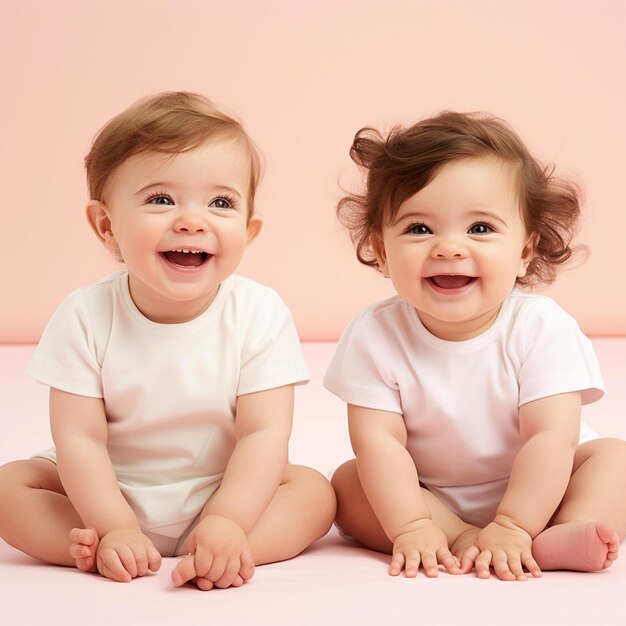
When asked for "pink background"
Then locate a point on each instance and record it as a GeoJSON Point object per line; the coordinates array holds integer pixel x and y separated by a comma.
{"type": "Point", "coordinates": [304, 76]}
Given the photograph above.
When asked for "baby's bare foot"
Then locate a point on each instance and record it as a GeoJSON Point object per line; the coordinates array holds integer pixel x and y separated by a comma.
{"type": "Point", "coordinates": [579, 546]}
{"type": "Point", "coordinates": [84, 547]}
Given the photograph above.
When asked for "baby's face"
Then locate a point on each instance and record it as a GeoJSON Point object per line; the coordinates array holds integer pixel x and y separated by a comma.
{"type": "Point", "coordinates": [180, 223]}
{"type": "Point", "coordinates": [456, 247]}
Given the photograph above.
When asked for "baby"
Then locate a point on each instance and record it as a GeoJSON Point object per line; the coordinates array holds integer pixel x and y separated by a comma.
{"type": "Point", "coordinates": [464, 392]}
{"type": "Point", "coordinates": [172, 381]}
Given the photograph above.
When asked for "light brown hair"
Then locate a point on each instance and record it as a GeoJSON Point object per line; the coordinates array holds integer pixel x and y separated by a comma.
{"type": "Point", "coordinates": [399, 165]}
{"type": "Point", "coordinates": [169, 122]}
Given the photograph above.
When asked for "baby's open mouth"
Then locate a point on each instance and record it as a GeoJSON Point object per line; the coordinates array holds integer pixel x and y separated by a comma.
{"type": "Point", "coordinates": [453, 281]}
{"type": "Point", "coordinates": [186, 258]}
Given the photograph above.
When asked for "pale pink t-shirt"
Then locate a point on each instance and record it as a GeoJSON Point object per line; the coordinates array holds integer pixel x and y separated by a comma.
{"type": "Point", "coordinates": [460, 400]}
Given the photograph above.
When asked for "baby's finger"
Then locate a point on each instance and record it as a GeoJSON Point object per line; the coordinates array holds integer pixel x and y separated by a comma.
{"type": "Point", "coordinates": [141, 560]}
{"type": "Point", "coordinates": [217, 568]}
{"type": "Point", "coordinates": [397, 563]}
{"type": "Point", "coordinates": [429, 563]}
{"type": "Point", "coordinates": [246, 570]}
{"type": "Point", "coordinates": [112, 564]}
{"type": "Point", "coordinates": [107, 573]}
{"type": "Point", "coordinates": [467, 559]}
{"type": "Point", "coordinates": [515, 565]}
{"type": "Point", "coordinates": [184, 571]}
{"type": "Point", "coordinates": [128, 560]}
{"type": "Point", "coordinates": [203, 561]}
{"type": "Point", "coordinates": [482, 563]}
{"type": "Point", "coordinates": [501, 566]}
{"type": "Point", "coordinates": [449, 561]}
{"type": "Point", "coordinates": [204, 584]}
{"type": "Point", "coordinates": [231, 571]}
{"type": "Point", "coordinates": [531, 565]}
{"type": "Point", "coordinates": [412, 564]}
{"type": "Point", "coordinates": [154, 559]}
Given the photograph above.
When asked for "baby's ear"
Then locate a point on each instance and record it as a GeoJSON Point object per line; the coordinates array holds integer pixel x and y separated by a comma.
{"type": "Point", "coordinates": [378, 248]}
{"type": "Point", "coordinates": [528, 252]}
{"type": "Point", "coordinates": [253, 228]}
{"type": "Point", "coordinates": [100, 222]}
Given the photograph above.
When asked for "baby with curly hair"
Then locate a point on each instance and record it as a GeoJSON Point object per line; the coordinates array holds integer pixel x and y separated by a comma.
{"type": "Point", "coordinates": [464, 391]}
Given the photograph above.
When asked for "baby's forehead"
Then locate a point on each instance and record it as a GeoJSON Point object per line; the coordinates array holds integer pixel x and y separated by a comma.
{"type": "Point", "coordinates": [213, 159]}
{"type": "Point", "coordinates": [225, 146]}
{"type": "Point", "coordinates": [461, 178]}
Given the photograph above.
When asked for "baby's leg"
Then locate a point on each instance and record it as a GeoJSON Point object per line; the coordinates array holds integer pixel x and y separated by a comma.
{"type": "Point", "coordinates": [301, 512]}
{"type": "Point", "coordinates": [36, 516]}
{"type": "Point", "coordinates": [591, 520]}
{"type": "Point", "coordinates": [356, 517]}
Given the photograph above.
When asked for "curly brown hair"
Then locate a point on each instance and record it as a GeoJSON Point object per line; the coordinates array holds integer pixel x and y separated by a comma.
{"type": "Point", "coordinates": [169, 122]}
{"type": "Point", "coordinates": [399, 165]}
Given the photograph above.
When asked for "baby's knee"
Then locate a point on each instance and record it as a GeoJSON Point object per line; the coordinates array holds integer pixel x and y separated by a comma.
{"type": "Point", "coordinates": [315, 480]}
{"type": "Point", "coordinates": [615, 452]}
{"type": "Point", "coordinates": [30, 474]}
{"type": "Point", "coordinates": [345, 476]}
{"type": "Point", "coordinates": [319, 492]}
{"type": "Point", "coordinates": [605, 447]}
{"type": "Point", "coordinates": [615, 446]}
{"type": "Point", "coordinates": [12, 481]}
{"type": "Point", "coordinates": [12, 474]}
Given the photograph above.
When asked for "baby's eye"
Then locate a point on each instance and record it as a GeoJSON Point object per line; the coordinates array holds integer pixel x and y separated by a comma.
{"type": "Point", "coordinates": [419, 229]}
{"type": "Point", "coordinates": [480, 229]}
{"type": "Point", "coordinates": [160, 200]}
{"type": "Point", "coordinates": [222, 203]}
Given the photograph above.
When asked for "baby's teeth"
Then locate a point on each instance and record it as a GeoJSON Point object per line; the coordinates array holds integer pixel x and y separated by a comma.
{"type": "Point", "coordinates": [189, 251]}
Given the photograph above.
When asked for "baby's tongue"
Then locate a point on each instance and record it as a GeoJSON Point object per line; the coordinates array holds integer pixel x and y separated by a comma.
{"type": "Point", "coordinates": [187, 259]}
{"type": "Point", "coordinates": [451, 282]}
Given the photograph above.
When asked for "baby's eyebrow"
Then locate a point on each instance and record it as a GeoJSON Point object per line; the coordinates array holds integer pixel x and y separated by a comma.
{"type": "Point", "coordinates": [413, 216]}
{"type": "Point", "coordinates": [149, 186]}
{"type": "Point", "coordinates": [225, 188]}
{"type": "Point", "coordinates": [417, 216]}
{"type": "Point", "coordinates": [478, 215]}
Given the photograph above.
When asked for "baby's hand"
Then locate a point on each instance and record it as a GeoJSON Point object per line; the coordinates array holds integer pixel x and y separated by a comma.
{"type": "Point", "coordinates": [465, 550]}
{"type": "Point", "coordinates": [505, 546]}
{"type": "Point", "coordinates": [219, 556]}
{"type": "Point", "coordinates": [422, 542]}
{"type": "Point", "coordinates": [126, 553]}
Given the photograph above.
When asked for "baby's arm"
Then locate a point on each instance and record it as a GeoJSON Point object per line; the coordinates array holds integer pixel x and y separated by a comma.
{"type": "Point", "coordinates": [549, 428]}
{"type": "Point", "coordinates": [253, 474]}
{"type": "Point", "coordinates": [79, 430]}
{"type": "Point", "coordinates": [389, 479]}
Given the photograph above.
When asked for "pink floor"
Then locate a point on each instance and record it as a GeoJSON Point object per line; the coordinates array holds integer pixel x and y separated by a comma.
{"type": "Point", "coordinates": [332, 582]}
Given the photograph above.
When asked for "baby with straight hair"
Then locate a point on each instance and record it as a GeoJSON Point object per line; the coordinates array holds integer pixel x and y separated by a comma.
{"type": "Point", "coordinates": [172, 381]}
{"type": "Point", "coordinates": [464, 391]}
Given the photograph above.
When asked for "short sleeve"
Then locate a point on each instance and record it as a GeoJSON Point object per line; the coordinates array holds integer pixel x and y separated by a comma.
{"type": "Point", "coordinates": [271, 353]}
{"type": "Point", "coordinates": [559, 358]}
{"type": "Point", "coordinates": [360, 372]}
{"type": "Point", "coordinates": [66, 356]}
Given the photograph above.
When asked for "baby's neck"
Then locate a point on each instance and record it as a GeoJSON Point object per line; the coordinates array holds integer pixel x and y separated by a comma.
{"type": "Point", "coordinates": [459, 331]}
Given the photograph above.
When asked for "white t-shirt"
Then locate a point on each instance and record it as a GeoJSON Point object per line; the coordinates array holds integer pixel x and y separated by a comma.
{"type": "Point", "coordinates": [170, 390]}
{"type": "Point", "coordinates": [460, 400]}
